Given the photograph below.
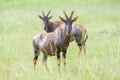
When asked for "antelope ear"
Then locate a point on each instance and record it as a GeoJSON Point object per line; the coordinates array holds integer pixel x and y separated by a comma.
{"type": "Point", "coordinates": [74, 19]}
{"type": "Point", "coordinates": [62, 19]}
{"type": "Point", "coordinates": [50, 17]}
{"type": "Point", "coordinates": [40, 17]}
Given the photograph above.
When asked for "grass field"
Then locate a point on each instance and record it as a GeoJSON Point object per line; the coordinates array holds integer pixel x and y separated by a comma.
{"type": "Point", "coordinates": [19, 23]}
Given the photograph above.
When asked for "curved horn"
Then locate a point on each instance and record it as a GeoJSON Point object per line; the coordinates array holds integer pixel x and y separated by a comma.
{"type": "Point", "coordinates": [43, 13]}
{"type": "Point", "coordinates": [71, 14]}
{"type": "Point", "coordinates": [48, 13]}
{"type": "Point", "coordinates": [65, 14]}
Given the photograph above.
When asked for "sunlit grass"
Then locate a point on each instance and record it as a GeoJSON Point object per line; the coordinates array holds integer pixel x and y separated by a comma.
{"type": "Point", "coordinates": [19, 23]}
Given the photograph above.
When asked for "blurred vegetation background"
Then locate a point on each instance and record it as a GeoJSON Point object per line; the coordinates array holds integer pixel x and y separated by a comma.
{"type": "Point", "coordinates": [19, 23]}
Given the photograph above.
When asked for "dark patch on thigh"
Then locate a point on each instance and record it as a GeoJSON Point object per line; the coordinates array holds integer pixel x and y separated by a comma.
{"type": "Point", "coordinates": [78, 38]}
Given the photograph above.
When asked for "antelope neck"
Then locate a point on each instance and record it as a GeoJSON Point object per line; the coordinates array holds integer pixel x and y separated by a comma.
{"type": "Point", "coordinates": [50, 27]}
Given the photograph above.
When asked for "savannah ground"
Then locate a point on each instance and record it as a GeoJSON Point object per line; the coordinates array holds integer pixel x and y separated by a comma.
{"type": "Point", "coordinates": [19, 23]}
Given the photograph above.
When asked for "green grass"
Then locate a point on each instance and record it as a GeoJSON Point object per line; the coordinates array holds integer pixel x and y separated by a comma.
{"type": "Point", "coordinates": [19, 23]}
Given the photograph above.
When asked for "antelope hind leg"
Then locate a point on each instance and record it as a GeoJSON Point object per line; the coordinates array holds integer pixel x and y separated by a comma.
{"type": "Point", "coordinates": [35, 58]}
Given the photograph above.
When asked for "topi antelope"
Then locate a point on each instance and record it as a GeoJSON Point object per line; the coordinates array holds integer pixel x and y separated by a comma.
{"type": "Point", "coordinates": [78, 33]}
{"type": "Point", "coordinates": [48, 25]}
{"type": "Point", "coordinates": [51, 44]}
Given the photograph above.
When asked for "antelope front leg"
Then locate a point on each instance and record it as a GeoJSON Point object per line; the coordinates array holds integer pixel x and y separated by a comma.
{"type": "Point", "coordinates": [58, 58]}
{"type": "Point", "coordinates": [44, 62]}
{"type": "Point", "coordinates": [64, 60]}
